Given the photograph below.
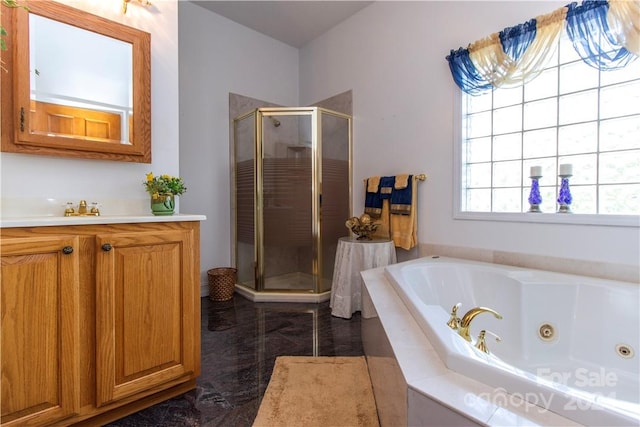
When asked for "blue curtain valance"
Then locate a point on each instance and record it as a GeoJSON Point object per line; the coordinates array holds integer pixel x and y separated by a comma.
{"type": "Point", "coordinates": [516, 40]}
{"type": "Point", "coordinates": [465, 73]}
{"type": "Point", "coordinates": [604, 33]}
{"type": "Point", "coordinates": [592, 38]}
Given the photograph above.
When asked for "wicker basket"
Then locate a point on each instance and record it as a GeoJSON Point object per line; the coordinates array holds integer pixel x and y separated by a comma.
{"type": "Point", "coordinates": [222, 282]}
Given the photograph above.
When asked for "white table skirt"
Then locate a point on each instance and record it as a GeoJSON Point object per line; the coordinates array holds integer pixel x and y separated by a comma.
{"type": "Point", "coordinates": [352, 257]}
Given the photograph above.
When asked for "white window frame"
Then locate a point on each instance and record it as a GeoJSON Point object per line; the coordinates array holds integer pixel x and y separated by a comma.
{"type": "Point", "coordinates": [545, 218]}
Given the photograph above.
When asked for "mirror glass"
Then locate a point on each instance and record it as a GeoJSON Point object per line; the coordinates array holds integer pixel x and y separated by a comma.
{"type": "Point", "coordinates": [81, 88]}
{"type": "Point", "coordinates": [77, 85]}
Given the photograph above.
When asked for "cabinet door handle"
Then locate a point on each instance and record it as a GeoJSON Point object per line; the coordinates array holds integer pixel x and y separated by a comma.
{"type": "Point", "coordinates": [107, 247]}
{"type": "Point", "coordinates": [67, 250]}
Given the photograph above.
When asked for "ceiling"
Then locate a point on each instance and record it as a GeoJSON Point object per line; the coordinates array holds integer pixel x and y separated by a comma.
{"type": "Point", "coordinates": [292, 22]}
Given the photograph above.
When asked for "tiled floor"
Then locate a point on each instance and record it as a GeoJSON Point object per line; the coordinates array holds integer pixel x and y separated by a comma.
{"type": "Point", "coordinates": [240, 342]}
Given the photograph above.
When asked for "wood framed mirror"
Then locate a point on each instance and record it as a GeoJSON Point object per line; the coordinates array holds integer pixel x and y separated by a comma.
{"type": "Point", "coordinates": [75, 85]}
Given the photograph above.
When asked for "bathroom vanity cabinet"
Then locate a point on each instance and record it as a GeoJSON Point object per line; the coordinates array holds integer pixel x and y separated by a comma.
{"type": "Point", "coordinates": [98, 321]}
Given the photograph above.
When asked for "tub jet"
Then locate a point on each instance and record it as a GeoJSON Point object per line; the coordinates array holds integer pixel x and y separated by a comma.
{"type": "Point", "coordinates": [546, 332]}
{"type": "Point", "coordinates": [624, 350]}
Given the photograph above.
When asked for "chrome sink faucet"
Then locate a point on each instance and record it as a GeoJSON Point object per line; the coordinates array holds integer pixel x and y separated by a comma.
{"type": "Point", "coordinates": [465, 322]}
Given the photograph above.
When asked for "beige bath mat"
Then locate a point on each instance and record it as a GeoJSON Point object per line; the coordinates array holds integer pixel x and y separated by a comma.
{"type": "Point", "coordinates": [318, 391]}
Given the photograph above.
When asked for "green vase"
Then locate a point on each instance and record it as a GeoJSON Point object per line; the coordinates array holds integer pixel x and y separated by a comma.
{"type": "Point", "coordinates": [162, 204]}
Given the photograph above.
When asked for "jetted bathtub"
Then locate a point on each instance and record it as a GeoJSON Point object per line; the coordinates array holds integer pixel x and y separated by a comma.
{"type": "Point", "coordinates": [569, 343]}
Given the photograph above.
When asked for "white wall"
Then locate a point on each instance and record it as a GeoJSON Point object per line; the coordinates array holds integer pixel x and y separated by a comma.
{"type": "Point", "coordinates": [218, 56]}
{"type": "Point", "coordinates": [392, 54]}
{"type": "Point", "coordinates": [42, 177]}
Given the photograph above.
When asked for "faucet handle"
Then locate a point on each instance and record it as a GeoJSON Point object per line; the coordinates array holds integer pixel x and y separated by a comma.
{"type": "Point", "coordinates": [454, 320]}
{"type": "Point", "coordinates": [68, 208]}
{"type": "Point", "coordinates": [94, 208]}
{"type": "Point", "coordinates": [482, 344]}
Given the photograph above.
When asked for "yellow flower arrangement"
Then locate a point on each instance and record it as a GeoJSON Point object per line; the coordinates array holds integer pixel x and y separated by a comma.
{"type": "Point", "coordinates": [164, 184]}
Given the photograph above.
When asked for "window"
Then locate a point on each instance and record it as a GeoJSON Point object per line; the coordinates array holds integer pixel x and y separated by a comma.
{"type": "Point", "coordinates": [571, 113]}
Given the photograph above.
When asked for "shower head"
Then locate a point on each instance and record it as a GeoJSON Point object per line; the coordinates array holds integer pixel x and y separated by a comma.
{"type": "Point", "coordinates": [275, 121]}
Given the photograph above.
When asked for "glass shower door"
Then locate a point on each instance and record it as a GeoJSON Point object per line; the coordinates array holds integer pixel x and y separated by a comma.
{"type": "Point", "coordinates": [244, 174]}
{"type": "Point", "coordinates": [287, 192]}
{"type": "Point", "coordinates": [335, 209]}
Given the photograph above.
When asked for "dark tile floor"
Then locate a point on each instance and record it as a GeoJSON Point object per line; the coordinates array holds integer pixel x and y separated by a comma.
{"type": "Point", "coordinates": [240, 342]}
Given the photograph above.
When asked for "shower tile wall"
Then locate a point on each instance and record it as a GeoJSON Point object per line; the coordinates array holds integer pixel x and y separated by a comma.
{"type": "Point", "coordinates": [342, 103]}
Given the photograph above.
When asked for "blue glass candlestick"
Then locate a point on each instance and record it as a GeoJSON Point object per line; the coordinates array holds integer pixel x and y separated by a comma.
{"type": "Point", "coordinates": [534, 196]}
{"type": "Point", "coordinates": [564, 196]}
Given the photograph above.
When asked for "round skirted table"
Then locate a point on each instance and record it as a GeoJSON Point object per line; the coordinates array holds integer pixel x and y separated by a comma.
{"type": "Point", "coordinates": [352, 257]}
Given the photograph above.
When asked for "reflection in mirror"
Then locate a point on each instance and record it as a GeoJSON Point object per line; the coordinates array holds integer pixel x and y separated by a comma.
{"type": "Point", "coordinates": [81, 88]}
{"type": "Point", "coordinates": [78, 85]}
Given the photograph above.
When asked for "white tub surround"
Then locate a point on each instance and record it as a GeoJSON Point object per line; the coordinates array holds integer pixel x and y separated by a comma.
{"type": "Point", "coordinates": [453, 378]}
{"type": "Point", "coordinates": [584, 267]}
{"type": "Point", "coordinates": [415, 387]}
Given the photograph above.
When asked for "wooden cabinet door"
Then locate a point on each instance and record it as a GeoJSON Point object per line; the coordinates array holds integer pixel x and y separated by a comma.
{"type": "Point", "coordinates": [145, 306]}
{"type": "Point", "coordinates": [50, 118]}
{"type": "Point", "coordinates": [40, 329]}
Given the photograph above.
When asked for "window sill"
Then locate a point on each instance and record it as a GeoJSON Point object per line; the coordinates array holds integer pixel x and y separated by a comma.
{"type": "Point", "coordinates": [553, 218]}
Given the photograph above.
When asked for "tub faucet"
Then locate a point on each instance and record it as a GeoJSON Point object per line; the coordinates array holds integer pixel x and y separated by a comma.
{"type": "Point", "coordinates": [454, 320]}
{"type": "Point", "coordinates": [465, 322]}
{"type": "Point", "coordinates": [482, 344]}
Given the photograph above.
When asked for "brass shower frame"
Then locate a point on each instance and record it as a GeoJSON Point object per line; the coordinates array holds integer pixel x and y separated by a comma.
{"type": "Point", "coordinates": [316, 187]}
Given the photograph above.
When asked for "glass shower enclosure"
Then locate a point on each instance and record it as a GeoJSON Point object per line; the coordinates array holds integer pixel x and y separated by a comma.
{"type": "Point", "coordinates": [291, 195]}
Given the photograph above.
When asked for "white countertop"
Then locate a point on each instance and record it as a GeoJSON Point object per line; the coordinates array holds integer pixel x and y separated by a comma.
{"type": "Point", "coordinates": [49, 221]}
